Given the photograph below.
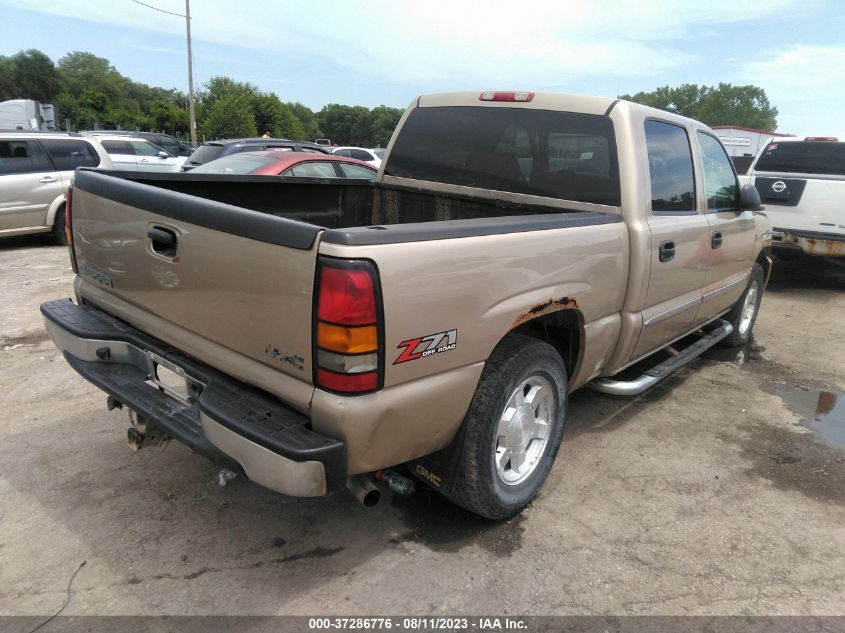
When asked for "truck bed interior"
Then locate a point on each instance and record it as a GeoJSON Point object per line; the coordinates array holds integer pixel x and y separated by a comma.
{"type": "Point", "coordinates": [335, 204]}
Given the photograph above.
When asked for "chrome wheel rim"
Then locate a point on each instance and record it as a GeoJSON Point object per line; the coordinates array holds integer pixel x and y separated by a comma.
{"type": "Point", "coordinates": [749, 307]}
{"type": "Point", "coordinates": [523, 430]}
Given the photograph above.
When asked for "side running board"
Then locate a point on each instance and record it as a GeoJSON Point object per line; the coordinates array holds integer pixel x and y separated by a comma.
{"type": "Point", "coordinates": [657, 373]}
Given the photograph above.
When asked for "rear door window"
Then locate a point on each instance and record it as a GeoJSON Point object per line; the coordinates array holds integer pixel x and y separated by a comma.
{"type": "Point", "coordinates": [803, 157]}
{"type": "Point", "coordinates": [68, 154]}
{"type": "Point", "coordinates": [322, 169]}
{"type": "Point", "coordinates": [670, 168]}
{"type": "Point", "coordinates": [563, 155]}
{"type": "Point", "coordinates": [116, 147]}
{"type": "Point", "coordinates": [720, 180]}
{"type": "Point", "coordinates": [22, 157]}
{"type": "Point", "coordinates": [343, 152]}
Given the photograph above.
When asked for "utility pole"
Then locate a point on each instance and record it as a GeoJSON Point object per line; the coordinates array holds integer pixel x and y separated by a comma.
{"type": "Point", "coordinates": [191, 113]}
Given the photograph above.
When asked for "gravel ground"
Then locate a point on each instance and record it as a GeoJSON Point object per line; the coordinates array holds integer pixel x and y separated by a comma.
{"type": "Point", "coordinates": [718, 492]}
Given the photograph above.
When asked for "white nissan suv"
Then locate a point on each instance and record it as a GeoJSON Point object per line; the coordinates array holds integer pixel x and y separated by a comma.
{"type": "Point", "coordinates": [802, 186]}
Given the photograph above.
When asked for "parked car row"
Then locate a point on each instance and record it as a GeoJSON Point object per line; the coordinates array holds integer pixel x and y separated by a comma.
{"type": "Point", "coordinates": [35, 171]}
{"type": "Point", "coordinates": [36, 167]}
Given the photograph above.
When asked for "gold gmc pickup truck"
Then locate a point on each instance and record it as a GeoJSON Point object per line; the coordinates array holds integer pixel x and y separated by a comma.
{"type": "Point", "coordinates": [515, 246]}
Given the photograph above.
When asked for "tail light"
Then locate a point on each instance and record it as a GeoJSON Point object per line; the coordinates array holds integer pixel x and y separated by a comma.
{"type": "Point", "coordinates": [347, 328]}
{"type": "Point", "coordinates": [821, 138]}
{"type": "Point", "coordinates": [69, 228]}
{"type": "Point", "coordinates": [506, 96]}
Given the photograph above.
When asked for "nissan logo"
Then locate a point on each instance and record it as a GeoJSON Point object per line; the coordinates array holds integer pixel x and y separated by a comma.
{"type": "Point", "coordinates": [778, 186]}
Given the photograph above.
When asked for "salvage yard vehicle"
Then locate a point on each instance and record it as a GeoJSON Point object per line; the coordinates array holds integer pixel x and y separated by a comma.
{"type": "Point", "coordinates": [514, 247]}
{"type": "Point", "coordinates": [274, 162]}
{"type": "Point", "coordinates": [212, 150]}
{"type": "Point", "coordinates": [802, 183]}
{"type": "Point", "coordinates": [35, 171]}
{"type": "Point", "coordinates": [133, 153]}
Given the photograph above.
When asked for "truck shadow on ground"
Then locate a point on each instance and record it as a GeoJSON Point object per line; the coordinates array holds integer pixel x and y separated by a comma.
{"type": "Point", "coordinates": [27, 241]}
{"type": "Point", "coordinates": [154, 517]}
{"type": "Point", "coordinates": [803, 273]}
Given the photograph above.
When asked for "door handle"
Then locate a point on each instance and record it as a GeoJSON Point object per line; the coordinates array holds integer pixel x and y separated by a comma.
{"type": "Point", "coordinates": [666, 251]}
{"type": "Point", "coordinates": [163, 241]}
{"type": "Point", "coordinates": [716, 239]}
{"type": "Point", "coordinates": [47, 179]}
{"type": "Point", "coordinates": [143, 160]}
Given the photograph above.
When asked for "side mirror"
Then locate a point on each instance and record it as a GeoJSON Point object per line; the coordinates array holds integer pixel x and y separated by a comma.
{"type": "Point", "coordinates": [749, 198]}
{"type": "Point", "coordinates": [163, 155]}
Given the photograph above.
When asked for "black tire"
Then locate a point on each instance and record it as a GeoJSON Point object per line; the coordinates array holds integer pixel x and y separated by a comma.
{"type": "Point", "coordinates": [478, 485]}
{"type": "Point", "coordinates": [742, 330]}
{"type": "Point", "coordinates": [59, 236]}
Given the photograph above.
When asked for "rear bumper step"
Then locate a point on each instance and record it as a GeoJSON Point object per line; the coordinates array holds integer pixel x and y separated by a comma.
{"type": "Point", "coordinates": [232, 423]}
{"type": "Point", "coordinates": [657, 373]}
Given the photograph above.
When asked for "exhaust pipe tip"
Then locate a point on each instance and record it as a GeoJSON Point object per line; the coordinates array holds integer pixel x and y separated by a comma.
{"type": "Point", "coordinates": [364, 490]}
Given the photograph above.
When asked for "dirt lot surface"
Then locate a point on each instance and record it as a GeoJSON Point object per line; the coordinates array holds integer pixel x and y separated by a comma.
{"type": "Point", "coordinates": [718, 492]}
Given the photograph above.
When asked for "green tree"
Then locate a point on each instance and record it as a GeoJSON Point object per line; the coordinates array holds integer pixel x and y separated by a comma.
{"type": "Point", "coordinates": [383, 121]}
{"type": "Point", "coordinates": [29, 74]}
{"type": "Point", "coordinates": [308, 120]}
{"type": "Point", "coordinates": [724, 104]}
{"type": "Point", "coordinates": [7, 83]}
{"type": "Point", "coordinates": [229, 117]}
{"type": "Point", "coordinates": [271, 115]}
{"type": "Point", "coordinates": [345, 125]}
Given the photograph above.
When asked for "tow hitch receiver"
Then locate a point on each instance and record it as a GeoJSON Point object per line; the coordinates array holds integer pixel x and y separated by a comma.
{"type": "Point", "coordinates": [142, 434]}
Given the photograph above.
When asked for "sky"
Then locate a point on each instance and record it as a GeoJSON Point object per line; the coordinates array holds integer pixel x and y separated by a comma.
{"type": "Point", "coordinates": [373, 52]}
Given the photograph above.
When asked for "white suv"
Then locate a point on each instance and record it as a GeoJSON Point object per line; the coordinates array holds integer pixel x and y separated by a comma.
{"type": "Point", "coordinates": [130, 153]}
{"type": "Point", "coordinates": [802, 185]}
{"type": "Point", "coordinates": [35, 172]}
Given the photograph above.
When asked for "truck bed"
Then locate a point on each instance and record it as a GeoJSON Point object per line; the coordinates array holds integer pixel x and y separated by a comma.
{"type": "Point", "coordinates": [375, 210]}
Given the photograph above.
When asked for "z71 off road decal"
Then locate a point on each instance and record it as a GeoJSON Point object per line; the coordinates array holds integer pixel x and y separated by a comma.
{"type": "Point", "coordinates": [415, 348]}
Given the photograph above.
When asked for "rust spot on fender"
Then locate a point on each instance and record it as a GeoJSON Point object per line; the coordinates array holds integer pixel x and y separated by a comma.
{"type": "Point", "coordinates": [552, 305]}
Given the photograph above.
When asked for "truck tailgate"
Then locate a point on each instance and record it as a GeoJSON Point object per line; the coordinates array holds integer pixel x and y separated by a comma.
{"type": "Point", "coordinates": [184, 268]}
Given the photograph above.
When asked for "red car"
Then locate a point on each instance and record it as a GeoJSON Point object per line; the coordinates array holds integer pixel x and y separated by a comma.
{"type": "Point", "coordinates": [274, 162]}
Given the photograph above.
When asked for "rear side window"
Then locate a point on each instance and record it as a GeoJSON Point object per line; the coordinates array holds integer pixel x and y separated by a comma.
{"type": "Point", "coordinates": [116, 147]}
{"type": "Point", "coordinates": [670, 167]}
{"type": "Point", "coordinates": [22, 157]}
{"type": "Point", "coordinates": [356, 171]}
{"type": "Point", "coordinates": [719, 177]}
{"type": "Point", "coordinates": [562, 155]}
{"type": "Point", "coordinates": [68, 154]}
{"type": "Point", "coordinates": [312, 170]}
{"type": "Point", "coordinates": [343, 152]}
{"type": "Point", "coordinates": [803, 157]}
{"type": "Point", "coordinates": [360, 154]}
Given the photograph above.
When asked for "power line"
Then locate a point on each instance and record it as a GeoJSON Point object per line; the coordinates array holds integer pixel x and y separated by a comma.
{"type": "Point", "coordinates": [149, 6]}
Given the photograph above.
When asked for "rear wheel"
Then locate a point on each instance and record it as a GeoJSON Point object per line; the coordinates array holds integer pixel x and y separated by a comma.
{"type": "Point", "coordinates": [744, 314]}
{"type": "Point", "coordinates": [59, 236]}
{"type": "Point", "coordinates": [513, 428]}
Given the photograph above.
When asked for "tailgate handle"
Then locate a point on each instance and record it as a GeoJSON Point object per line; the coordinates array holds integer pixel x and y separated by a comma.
{"type": "Point", "coordinates": [163, 241]}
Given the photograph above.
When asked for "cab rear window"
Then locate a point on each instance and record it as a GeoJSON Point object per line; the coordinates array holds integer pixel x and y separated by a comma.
{"type": "Point", "coordinates": [564, 155]}
{"type": "Point", "coordinates": [803, 157]}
